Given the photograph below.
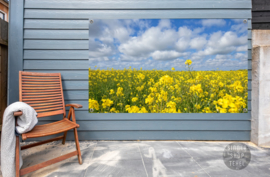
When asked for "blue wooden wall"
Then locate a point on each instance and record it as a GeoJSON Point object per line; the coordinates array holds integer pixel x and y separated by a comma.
{"type": "Point", "coordinates": [52, 36]}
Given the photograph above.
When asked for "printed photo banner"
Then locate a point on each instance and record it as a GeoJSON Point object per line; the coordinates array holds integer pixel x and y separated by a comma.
{"type": "Point", "coordinates": [168, 66]}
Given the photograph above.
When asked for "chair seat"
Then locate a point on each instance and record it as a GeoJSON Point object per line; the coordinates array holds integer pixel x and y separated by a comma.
{"type": "Point", "coordinates": [50, 129]}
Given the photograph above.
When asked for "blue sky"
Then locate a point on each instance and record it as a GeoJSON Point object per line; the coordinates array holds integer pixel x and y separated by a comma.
{"type": "Point", "coordinates": [165, 43]}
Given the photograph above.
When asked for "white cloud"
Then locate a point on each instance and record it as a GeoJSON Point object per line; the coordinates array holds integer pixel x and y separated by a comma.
{"type": "Point", "coordinates": [213, 22]}
{"type": "Point", "coordinates": [164, 23]}
{"type": "Point", "coordinates": [241, 56]}
{"type": "Point", "coordinates": [198, 43]}
{"type": "Point", "coordinates": [220, 43]}
{"type": "Point", "coordinates": [166, 55]}
{"type": "Point", "coordinates": [239, 28]}
{"type": "Point", "coordinates": [242, 48]}
{"type": "Point", "coordinates": [101, 51]}
{"type": "Point", "coordinates": [118, 29]}
{"type": "Point", "coordinates": [182, 44]}
{"type": "Point", "coordinates": [184, 32]}
{"type": "Point", "coordinates": [226, 62]}
{"type": "Point", "coordinates": [185, 35]}
{"type": "Point", "coordinates": [153, 39]}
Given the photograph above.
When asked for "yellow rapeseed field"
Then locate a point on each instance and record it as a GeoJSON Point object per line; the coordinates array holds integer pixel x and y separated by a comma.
{"type": "Point", "coordinates": [158, 91]}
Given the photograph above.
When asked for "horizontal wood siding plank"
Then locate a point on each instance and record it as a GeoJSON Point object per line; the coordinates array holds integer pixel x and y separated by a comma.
{"type": "Point", "coordinates": [139, 4]}
{"type": "Point", "coordinates": [131, 14]}
{"type": "Point", "coordinates": [261, 25]}
{"type": "Point", "coordinates": [71, 55]}
{"type": "Point", "coordinates": [76, 95]}
{"type": "Point", "coordinates": [261, 19]}
{"type": "Point", "coordinates": [66, 75]}
{"type": "Point", "coordinates": [58, 64]}
{"type": "Point", "coordinates": [158, 135]}
{"type": "Point", "coordinates": [161, 125]}
{"type": "Point", "coordinates": [56, 34]}
{"type": "Point", "coordinates": [164, 135]}
{"type": "Point", "coordinates": [56, 44]}
{"type": "Point", "coordinates": [56, 24]}
{"type": "Point", "coordinates": [260, 5]}
{"type": "Point", "coordinates": [75, 85]}
{"type": "Point", "coordinates": [260, 14]}
{"type": "Point", "coordinates": [64, 24]}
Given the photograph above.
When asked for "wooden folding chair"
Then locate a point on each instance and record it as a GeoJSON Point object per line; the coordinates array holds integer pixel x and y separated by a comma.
{"type": "Point", "coordinates": [44, 92]}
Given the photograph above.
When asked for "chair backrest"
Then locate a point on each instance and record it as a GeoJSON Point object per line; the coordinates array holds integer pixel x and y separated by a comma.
{"type": "Point", "coordinates": [42, 91]}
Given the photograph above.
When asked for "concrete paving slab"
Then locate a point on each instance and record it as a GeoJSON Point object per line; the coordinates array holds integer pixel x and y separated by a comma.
{"type": "Point", "coordinates": [69, 170]}
{"type": "Point", "coordinates": [183, 167]}
{"type": "Point", "coordinates": [209, 156]}
{"type": "Point", "coordinates": [116, 150]}
{"type": "Point", "coordinates": [167, 158]}
{"type": "Point", "coordinates": [87, 150]}
{"type": "Point", "coordinates": [120, 168]}
{"type": "Point", "coordinates": [166, 151]}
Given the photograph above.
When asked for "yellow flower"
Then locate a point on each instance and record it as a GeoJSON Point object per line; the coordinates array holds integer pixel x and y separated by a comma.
{"type": "Point", "coordinates": [196, 88]}
{"type": "Point", "coordinates": [133, 109]}
{"type": "Point", "coordinates": [188, 62]}
{"type": "Point", "coordinates": [93, 104]}
{"type": "Point", "coordinates": [171, 104]}
{"type": "Point", "coordinates": [166, 80]}
{"type": "Point", "coordinates": [111, 91]}
{"type": "Point", "coordinates": [119, 91]}
{"type": "Point", "coordinates": [112, 110]}
{"type": "Point", "coordinates": [149, 100]}
{"type": "Point", "coordinates": [207, 110]}
{"type": "Point", "coordinates": [197, 106]}
{"type": "Point", "coordinates": [220, 84]}
{"type": "Point", "coordinates": [134, 99]}
{"type": "Point", "coordinates": [106, 103]}
{"type": "Point", "coordinates": [225, 103]}
{"type": "Point", "coordinates": [223, 110]}
{"type": "Point", "coordinates": [143, 110]}
{"type": "Point", "coordinates": [173, 68]}
{"type": "Point", "coordinates": [141, 76]}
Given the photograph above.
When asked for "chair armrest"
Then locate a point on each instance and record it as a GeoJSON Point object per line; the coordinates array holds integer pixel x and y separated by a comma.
{"type": "Point", "coordinates": [74, 105]}
{"type": "Point", "coordinates": [18, 113]}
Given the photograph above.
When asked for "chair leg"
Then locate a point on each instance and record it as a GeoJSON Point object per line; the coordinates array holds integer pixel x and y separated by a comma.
{"type": "Point", "coordinates": [77, 145]}
{"type": "Point", "coordinates": [17, 155]}
{"type": "Point", "coordinates": [64, 138]}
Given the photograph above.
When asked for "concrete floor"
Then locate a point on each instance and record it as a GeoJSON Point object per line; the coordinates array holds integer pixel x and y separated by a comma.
{"type": "Point", "coordinates": [144, 158]}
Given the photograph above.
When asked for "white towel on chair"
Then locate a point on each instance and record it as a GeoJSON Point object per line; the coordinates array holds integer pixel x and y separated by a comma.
{"type": "Point", "coordinates": [26, 122]}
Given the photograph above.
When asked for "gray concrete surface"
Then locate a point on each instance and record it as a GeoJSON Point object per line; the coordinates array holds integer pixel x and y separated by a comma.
{"type": "Point", "coordinates": [260, 129]}
{"type": "Point", "coordinates": [145, 158]}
